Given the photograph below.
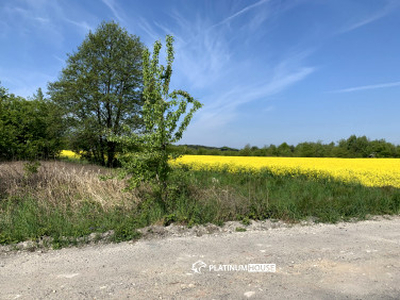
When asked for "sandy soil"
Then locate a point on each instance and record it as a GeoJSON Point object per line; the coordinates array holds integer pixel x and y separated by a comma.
{"type": "Point", "coordinates": [343, 261]}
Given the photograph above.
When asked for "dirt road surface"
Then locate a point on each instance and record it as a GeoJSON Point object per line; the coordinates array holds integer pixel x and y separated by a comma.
{"type": "Point", "coordinates": [343, 261]}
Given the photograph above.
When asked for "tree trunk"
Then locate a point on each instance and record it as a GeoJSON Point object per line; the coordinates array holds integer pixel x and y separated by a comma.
{"type": "Point", "coordinates": [111, 154]}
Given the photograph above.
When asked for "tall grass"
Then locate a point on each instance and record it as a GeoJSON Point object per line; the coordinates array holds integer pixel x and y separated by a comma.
{"type": "Point", "coordinates": [60, 184]}
{"type": "Point", "coordinates": [227, 196]}
{"type": "Point", "coordinates": [68, 201]}
{"type": "Point", "coordinates": [61, 200]}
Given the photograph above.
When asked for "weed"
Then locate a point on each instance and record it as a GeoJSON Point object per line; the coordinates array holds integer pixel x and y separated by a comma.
{"type": "Point", "coordinates": [31, 168]}
{"type": "Point", "coordinates": [240, 229]}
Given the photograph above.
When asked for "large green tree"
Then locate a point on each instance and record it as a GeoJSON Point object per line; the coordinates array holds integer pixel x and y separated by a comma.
{"type": "Point", "coordinates": [100, 91]}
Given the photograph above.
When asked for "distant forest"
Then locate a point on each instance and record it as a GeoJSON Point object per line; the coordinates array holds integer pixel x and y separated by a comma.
{"type": "Point", "coordinates": [353, 147]}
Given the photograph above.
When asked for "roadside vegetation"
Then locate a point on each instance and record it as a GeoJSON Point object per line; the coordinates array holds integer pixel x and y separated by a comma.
{"type": "Point", "coordinates": [68, 202]}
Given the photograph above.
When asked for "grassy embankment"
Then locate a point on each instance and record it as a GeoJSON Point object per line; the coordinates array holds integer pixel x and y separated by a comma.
{"type": "Point", "coordinates": [69, 201]}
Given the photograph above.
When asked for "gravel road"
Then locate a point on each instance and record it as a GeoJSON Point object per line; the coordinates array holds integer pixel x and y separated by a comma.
{"type": "Point", "coordinates": [343, 261]}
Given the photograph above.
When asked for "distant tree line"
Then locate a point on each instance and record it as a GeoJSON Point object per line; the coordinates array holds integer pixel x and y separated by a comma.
{"type": "Point", "coordinates": [353, 147]}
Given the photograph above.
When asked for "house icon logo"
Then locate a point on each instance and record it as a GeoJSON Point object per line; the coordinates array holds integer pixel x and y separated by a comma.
{"type": "Point", "coordinates": [198, 265]}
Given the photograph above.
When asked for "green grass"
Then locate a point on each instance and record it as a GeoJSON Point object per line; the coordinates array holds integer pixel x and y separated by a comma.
{"type": "Point", "coordinates": [27, 219]}
{"type": "Point", "coordinates": [245, 196]}
{"type": "Point", "coordinates": [194, 197]}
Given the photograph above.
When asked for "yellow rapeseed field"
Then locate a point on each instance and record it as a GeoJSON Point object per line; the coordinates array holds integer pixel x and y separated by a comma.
{"type": "Point", "coordinates": [367, 171]}
{"type": "Point", "coordinates": [69, 154]}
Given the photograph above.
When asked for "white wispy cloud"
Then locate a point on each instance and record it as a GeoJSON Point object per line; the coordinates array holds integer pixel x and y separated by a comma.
{"type": "Point", "coordinates": [20, 13]}
{"type": "Point", "coordinates": [228, 103]}
{"type": "Point", "coordinates": [59, 59]}
{"type": "Point", "coordinates": [42, 20]}
{"type": "Point", "coordinates": [387, 9]}
{"type": "Point", "coordinates": [118, 14]}
{"type": "Point", "coordinates": [33, 20]}
{"type": "Point", "coordinates": [241, 12]}
{"type": "Point", "coordinates": [207, 63]}
{"type": "Point", "coordinates": [149, 31]}
{"type": "Point", "coordinates": [203, 61]}
{"type": "Point", "coordinates": [222, 109]}
{"type": "Point", "coordinates": [82, 25]}
{"type": "Point", "coordinates": [368, 87]}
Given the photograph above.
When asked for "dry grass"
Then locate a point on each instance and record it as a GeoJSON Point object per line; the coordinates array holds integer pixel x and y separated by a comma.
{"type": "Point", "coordinates": [228, 201]}
{"type": "Point", "coordinates": [65, 184]}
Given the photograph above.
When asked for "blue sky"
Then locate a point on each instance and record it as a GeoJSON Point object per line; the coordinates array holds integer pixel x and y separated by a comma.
{"type": "Point", "coordinates": [266, 71]}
